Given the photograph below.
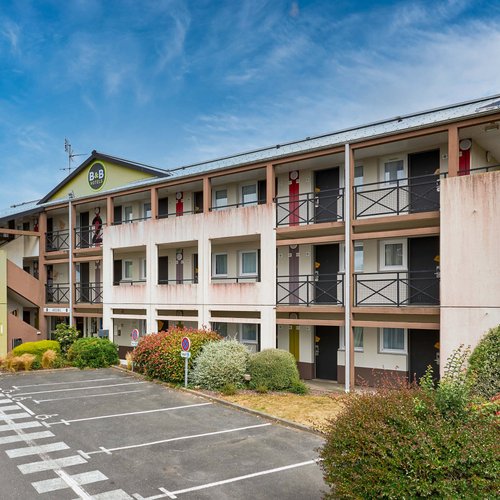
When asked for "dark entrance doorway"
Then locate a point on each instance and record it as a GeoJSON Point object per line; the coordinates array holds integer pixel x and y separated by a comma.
{"type": "Point", "coordinates": [423, 352]}
{"type": "Point", "coordinates": [424, 196]}
{"type": "Point", "coordinates": [84, 282]}
{"type": "Point", "coordinates": [327, 257]}
{"type": "Point", "coordinates": [423, 281]}
{"type": "Point", "coordinates": [84, 230]}
{"type": "Point", "coordinates": [326, 345]}
{"type": "Point", "coordinates": [327, 190]}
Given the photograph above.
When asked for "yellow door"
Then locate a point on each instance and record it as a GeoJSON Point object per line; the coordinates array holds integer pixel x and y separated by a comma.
{"type": "Point", "coordinates": [293, 341]}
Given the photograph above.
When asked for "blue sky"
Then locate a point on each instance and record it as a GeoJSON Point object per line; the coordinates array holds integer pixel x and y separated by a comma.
{"type": "Point", "coordinates": [173, 82]}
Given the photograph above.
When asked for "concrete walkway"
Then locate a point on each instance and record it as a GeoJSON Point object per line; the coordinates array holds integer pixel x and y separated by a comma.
{"type": "Point", "coordinates": [324, 385]}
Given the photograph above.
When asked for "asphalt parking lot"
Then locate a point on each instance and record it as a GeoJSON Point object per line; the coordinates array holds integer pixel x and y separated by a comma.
{"type": "Point", "coordinates": [106, 435]}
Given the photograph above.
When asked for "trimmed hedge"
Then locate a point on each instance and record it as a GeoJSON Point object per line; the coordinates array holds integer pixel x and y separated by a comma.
{"type": "Point", "coordinates": [93, 352]}
{"type": "Point", "coordinates": [274, 369]}
{"type": "Point", "coordinates": [398, 444]}
{"type": "Point", "coordinates": [159, 355]}
{"type": "Point", "coordinates": [37, 348]}
{"type": "Point", "coordinates": [221, 364]}
{"type": "Point", "coordinates": [484, 365]}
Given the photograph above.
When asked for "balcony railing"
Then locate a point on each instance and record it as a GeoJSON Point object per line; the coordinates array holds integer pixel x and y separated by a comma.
{"type": "Point", "coordinates": [57, 293]}
{"type": "Point", "coordinates": [397, 288]}
{"type": "Point", "coordinates": [310, 289]}
{"type": "Point", "coordinates": [57, 240]}
{"type": "Point", "coordinates": [88, 293]}
{"type": "Point", "coordinates": [88, 236]}
{"type": "Point", "coordinates": [409, 195]}
{"type": "Point", "coordinates": [235, 279]}
{"type": "Point", "coordinates": [477, 170]}
{"type": "Point", "coordinates": [179, 214]}
{"type": "Point", "coordinates": [129, 221]}
{"type": "Point", "coordinates": [125, 281]}
{"type": "Point", "coordinates": [310, 208]}
{"type": "Point", "coordinates": [183, 281]}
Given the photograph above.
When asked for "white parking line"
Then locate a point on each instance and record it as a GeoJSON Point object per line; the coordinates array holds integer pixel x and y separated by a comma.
{"type": "Point", "coordinates": [5, 401]}
{"type": "Point", "coordinates": [51, 464]}
{"type": "Point", "coordinates": [64, 383]}
{"type": "Point", "coordinates": [79, 388]}
{"type": "Point", "coordinates": [35, 450]}
{"type": "Point", "coordinates": [59, 484]}
{"type": "Point", "coordinates": [14, 416]}
{"type": "Point", "coordinates": [20, 425]}
{"type": "Point", "coordinates": [38, 401]}
{"type": "Point", "coordinates": [173, 494]}
{"type": "Point", "coordinates": [108, 451]}
{"type": "Point", "coordinates": [24, 407]}
{"type": "Point", "coordinates": [9, 407]}
{"type": "Point", "coordinates": [171, 408]}
{"type": "Point", "coordinates": [34, 435]}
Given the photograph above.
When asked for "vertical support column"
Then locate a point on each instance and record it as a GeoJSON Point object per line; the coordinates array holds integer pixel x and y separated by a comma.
{"type": "Point", "coordinates": [349, 268]}
{"type": "Point", "coordinates": [453, 151]}
{"type": "Point", "coordinates": [110, 211]}
{"type": "Point", "coordinates": [270, 183]}
{"type": "Point", "coordinates": [72, 270]}
{"type": "Point", "coordinates": [154, 203]}
{"type": "Point", "coordinates": [42, 271]}
{"type": "Point", "coordinates": [207, 194]}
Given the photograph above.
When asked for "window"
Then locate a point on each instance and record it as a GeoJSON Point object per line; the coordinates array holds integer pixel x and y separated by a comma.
{"type": "Point", "coordinates": [358, 177]}
{"type": "Point", "coordinates": [220, 198]}
{"type": "Point", "coordinates": [143, 269]}
{"type": "Point", "coordinates": [358, 338]}
{"type": "Point", "coordinates": [127, 269]}
{"type": "Point", "coordinates": [128, 214]}
{"type": "Point", "coordinates": [393, 340]}
{"type": "Point", "coordinates": [249, 334]}
{"type": "Point", "coordinates": [220, 328]}
{"type": "Point", "coordinates": [358, 257]}
{"type": "Point", "coordinates": [394, 170]}
{"type": "Point", "coordinates": [393, 255]}
{"type": "Point", "coordinates": [147, 211]}
{"type": "Point", "coordinates": [248, 263]}
{"type": "Point", "coordinates": [249, 194]}
{"type": "Point", "coordinates": [220, 264]}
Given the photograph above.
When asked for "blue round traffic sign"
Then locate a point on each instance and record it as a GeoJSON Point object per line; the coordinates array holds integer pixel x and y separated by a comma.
{"type": "Point", "coordinates": [185, 344]}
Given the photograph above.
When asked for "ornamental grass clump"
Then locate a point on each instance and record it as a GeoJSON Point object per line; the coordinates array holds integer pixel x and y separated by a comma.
{"type": "Point", "coordinates": [158, 355]}
{"type": "Point", "coordinates": [221, 364]}
{"type": "Point", "coordinates": [274, 369]}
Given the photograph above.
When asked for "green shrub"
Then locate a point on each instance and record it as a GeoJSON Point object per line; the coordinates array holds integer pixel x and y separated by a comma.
{"type": "Point", "coordinates": [261, 389]}
{"type": "Point", "coordinates": [298, 387]}
{"type": "Point", "coordinates": [274, 368]}
{"type": "Point", "coordinates": [229, 389]}
{"type": "Point", "coordinates": [37, 348]}
{"type": "Point", "coordinates": [158, 355]}
{"type": "Point", "coordinates": [93, 352]}
{"type": "Point", "coordinates": [484, 365]}
{"type": "Point", "coordinates": [220, 363]}
{"type": "Point", "coordinates": [398, 444]}
{"type": "Point", "coordinates": [66, 336]}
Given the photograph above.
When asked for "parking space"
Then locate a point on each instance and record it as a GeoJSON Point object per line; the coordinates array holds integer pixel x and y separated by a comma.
{"type": "Point", "coordinates": [107, 435]}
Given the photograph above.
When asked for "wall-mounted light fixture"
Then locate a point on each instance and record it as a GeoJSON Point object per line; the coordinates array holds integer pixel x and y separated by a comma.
{"type": "Point", "coordinates": [491, 127]}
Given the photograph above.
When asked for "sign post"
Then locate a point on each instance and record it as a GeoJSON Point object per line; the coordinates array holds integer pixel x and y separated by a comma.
{"type": "Point", "coordinates": [185, 346]}
{"type": "Point", "coordinates": [134, 340]}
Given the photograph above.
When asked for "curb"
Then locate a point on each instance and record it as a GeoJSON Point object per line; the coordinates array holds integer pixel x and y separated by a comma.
{"type": "Point", "coordinates": [266, 416]}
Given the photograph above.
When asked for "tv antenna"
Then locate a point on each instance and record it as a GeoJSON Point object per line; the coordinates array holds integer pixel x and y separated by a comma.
{"type": "Point", "coordinates": [71, 155]}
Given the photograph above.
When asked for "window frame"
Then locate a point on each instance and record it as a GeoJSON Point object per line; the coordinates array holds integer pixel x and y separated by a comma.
{"type": "Point", "coordinates": [146, 210]}
{"type": "Point", "coordinates": [342, 257]}
{"type": "Point", "coordinates": [143, 269]}
{"type": "Point", "coordinates": [214, 199]}
{"type": "Point", "coordinates": [240, 264]}
{"type": "Point", "coordinates": [242, 199]}
{"type": "Point", "coordinates": [250, 342]}
{"type": "Point", "coordinates": [214, 265]}
{"type": "Point", "coordinates": [382, 264]}
{"type": "Point", "coordinates": [358, 185]}
{"type": "Point", "coordinates": [124, 270]}
{"type": "Point", "coordinates": [125, 209]}
{"type": "Point", "coordinates": [342, 339]}
{"type": "Point", "coordinates": [404, 174]}
{"type": "Point", "coordinates": [384, 350]}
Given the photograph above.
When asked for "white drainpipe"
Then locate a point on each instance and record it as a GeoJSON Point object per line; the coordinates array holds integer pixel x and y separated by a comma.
{"type": "Point", "coordinates": [347, 267]}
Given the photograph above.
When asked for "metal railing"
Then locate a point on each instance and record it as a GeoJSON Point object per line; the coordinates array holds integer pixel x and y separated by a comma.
{"type": "Point", "coordinates": [129, 282]}
{"type": "Point", "coordinates": [88, 236]}
{"type": "Point", "coordinates": [57, 240]}
{"type": "Point", "coordinates": [489, 168]}
{"type": "Point", "coordinates": [235, 279]}
{"type": "Point", "coordinates": [129, 221]}
{"type": "Point", "coordinates": [182, 281]}
{"type": "Point", "coordinates": [57, 293]}
{"type": "Point", "coordinates": [402, 288]}
{"type": "Point", "coordinates": [409, 195]}
{"type": "Point", "coordinates": [88, 293]}
{"type": "Point", "coordinates": [237, 205]}
{"type": "Point", "coordinates": [310, 289]}
{"type": "Point", "coordinates": [310, 208]}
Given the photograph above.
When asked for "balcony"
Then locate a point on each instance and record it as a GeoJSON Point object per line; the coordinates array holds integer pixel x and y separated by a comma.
{"type": "Point", "coordinates": [88, 236]}
{"type": "Point", "coordinates": [88, 293]}
{"type": "Point", "coordinates": [398, 289]}
{"type": "Point", "coordinates": [310, 289]}
{"type": "Point", "coordinates": [57, 240]}
{"type": "Point", "coordinates": [57, 293]}
{"type": "Point", "coordinates": [310, 208]}
{"type": "Point", "coordinates": [235, 279]}
{"type": "Point", "coordinates": [401, 196]}
{"type": "Point", "coordinates": [182, 281]}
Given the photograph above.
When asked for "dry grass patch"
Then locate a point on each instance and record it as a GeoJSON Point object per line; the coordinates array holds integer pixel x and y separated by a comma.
{"type": "Point", "coordinates": [310, 410]}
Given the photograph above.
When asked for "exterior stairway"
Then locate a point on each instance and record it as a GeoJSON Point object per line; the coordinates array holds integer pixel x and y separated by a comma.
{"type": "Point", "coordinates": [18, 329]}
{"type": "Point", "coordinates": [25, 285]}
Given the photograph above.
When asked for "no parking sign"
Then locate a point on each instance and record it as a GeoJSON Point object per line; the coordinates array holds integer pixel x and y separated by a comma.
{"type": "Point", "coordinates": [185, 346]}
{"type": "Point", "coordinates": [134, 337]}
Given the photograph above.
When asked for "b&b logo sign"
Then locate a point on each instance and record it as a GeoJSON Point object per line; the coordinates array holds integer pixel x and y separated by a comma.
{"type": "Point", "coordinates": [97, 176]}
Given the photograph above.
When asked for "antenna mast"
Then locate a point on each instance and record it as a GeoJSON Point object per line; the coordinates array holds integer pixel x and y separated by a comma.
{"type": "Point", "coordinates": [71, 155]}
